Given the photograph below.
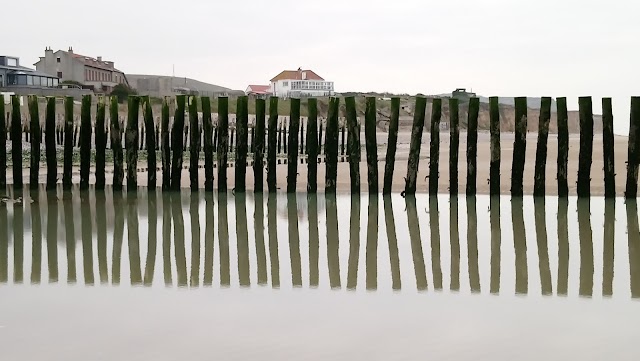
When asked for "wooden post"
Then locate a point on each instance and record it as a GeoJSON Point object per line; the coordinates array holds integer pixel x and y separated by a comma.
{"type": "Point", "coordinates": [232, 133]}
{"type": "Point", "coordinates": [166, 146]}
{"type": "Point", "coordinates": [416, 142]}
{"type": "Point", "coordinates": [284, 137]}
{"type": "Point", "coordinates": [101, 144]}
{"type": "Point", "coordinates": [371, 144]}
{"type": "Point", "coordinates": [633, 161]}
{"type": "Point", "coordinates": [131, 143]}
{"type": "Point", "coordinates": [177, 144]}
{"type": "Point", "coordinates": [116, 144]}
{"type": "Point", "coordinates": [16, 141]}
{"type": "Point", "coordinates": [494, 129]}
{"type": "Point", "coordinates": [541, 150]}
{"type": "Point", "coordinates": [68, 143]}
{"type": "Point", "coordinates": [207, 125]}
{"type": "Point", "coordinates": [49, 140]}
{"type": "Point", "coordinates": [252, 141]}
{"type": "Point", "coordinates": [608, 149]}
{"type": "Point", "coordinates": [3, 149]}
{"type": "Point", "coordinates": [85, 142]}
{"type": "Point", "coordinates": [312, 146]}
{"type": "Point", "coordinates": [586, 147]}
{"type": "Point", "coordinates": [320, 147]}
{"type": "Point", "coordinates": [454, 145]}
{"type": "Point", "coordinates": [36, 137]}
{"type": "Point", "coordinates": [272, 144]}
{"type": "Point", "coordinates": [331, 145]}
{"type": "Point", "coordinates": [353, 144]}
{"type": "Point", "coordinates": [215, 137]}
{"type": "Point", "coordinates": [292, 151]}
{"type": "Point", "coordinates": [149, 124]}
{"type": "Point", "coordinates": [519, 146]}
{"type": "Point", "coordinates": [563, 147]}
{"type": "Point", "coordinates": [392, 144]}
{"type": "Point", "coordinates": [342, 132]}
{"type": "Point", "coordinates": [258, 156]}
{"type": "Point", "coordinates": [223, 142]}
{"type": "Point", "coordinates": [434, 146]}
{"type": "Point", "coordinates": [472, 145]}
{"type": "Point", "coordinates": [280, 139]}
{"type": "Point", "coordinates": [242, 121]}
{"type": "Point", "coordinates": [194, 143]}
{"type": "Point", "coordinates": [302, 138]}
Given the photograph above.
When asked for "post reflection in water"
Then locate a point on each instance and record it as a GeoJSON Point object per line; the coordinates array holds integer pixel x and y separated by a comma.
{"type": "Point", "coordinates": [110, 211]}
{"type": "Point", "coordinates": [392, 239]}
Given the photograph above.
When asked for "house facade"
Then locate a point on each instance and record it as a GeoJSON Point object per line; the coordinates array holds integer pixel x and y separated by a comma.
{"type": "Point", "coordinates": [300, 83]}
{"type": "Point", "coordinates": [13, 75]}
{"type": "Point", "coordinates": [93, 73]}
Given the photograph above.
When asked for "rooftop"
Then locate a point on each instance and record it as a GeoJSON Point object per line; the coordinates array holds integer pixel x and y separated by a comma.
{"type": "Point", "coordinates": [297, 75]}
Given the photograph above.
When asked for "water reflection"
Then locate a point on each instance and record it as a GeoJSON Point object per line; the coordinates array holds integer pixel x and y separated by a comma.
{"type": "Point", "coordinates": [392, 252]}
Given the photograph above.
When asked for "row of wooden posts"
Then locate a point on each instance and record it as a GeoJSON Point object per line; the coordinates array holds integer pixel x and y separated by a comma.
{"type": "Point", "coordinates": [172, 144]}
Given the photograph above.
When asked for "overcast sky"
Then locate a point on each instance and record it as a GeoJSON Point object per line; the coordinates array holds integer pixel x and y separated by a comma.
{"type": "Point", "coordinates": [497, 47]}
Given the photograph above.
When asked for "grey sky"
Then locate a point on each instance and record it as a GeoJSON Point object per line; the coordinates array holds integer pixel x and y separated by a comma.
{"type": "Point", "coordinates": [497, 47]}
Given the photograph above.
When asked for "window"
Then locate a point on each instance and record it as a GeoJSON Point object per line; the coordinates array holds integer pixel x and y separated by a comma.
{"type": "Point", "coordinates": [22, 79]}
{"type": "Point", "coordinates": [55, 82]}
{"type": "Point", "coordinates": [29, 79]}
{"type": "Point", "coordinates": [58, 60]}
{"type": "Point", "coordinates": [60, 74]}
{"type": "Point", "coordinates": [49, 82]}
{"type": "Point", "coordinates": [12, 62]}
{"type": "Point", "coordinates": [285, 83]}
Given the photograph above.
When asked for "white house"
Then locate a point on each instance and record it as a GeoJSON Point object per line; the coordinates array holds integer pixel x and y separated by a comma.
{"type": "Point", "coordinates": [300, 83]}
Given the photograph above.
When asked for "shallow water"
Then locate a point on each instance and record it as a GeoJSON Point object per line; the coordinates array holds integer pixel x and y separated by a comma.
{"type": "Point", "coordinates": [98, 276]}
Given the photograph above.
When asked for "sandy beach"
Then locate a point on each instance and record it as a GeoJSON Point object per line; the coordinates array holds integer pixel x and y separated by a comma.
{"type": "Point", "coordinates": [344, 182]}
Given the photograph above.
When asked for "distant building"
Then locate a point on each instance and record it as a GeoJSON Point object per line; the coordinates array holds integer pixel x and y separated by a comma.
{"type": "Point", "coordinates": [300, 83]}
{"type": "Point", "coordinates": [258, 90]}
{"type": "Point", "coordinates": [14, 76]}
{"type": "Point", "coordinates": [96, 74]}
{"type": "Point", "coordinates": [462, 94]}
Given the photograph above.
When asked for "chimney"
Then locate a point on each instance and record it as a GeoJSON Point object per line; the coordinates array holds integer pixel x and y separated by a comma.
{"type": "Point", "coordinates": [99, 58]}
{"type": "Point", "coordinates": [70, 50]}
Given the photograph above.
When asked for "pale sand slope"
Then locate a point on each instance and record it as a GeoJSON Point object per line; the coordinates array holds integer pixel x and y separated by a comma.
{"type": "Point", "coordinates": [344, 182]}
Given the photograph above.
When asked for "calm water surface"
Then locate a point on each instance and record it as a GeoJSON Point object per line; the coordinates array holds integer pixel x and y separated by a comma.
{"type": "Point", "coordinates": [102, 276]}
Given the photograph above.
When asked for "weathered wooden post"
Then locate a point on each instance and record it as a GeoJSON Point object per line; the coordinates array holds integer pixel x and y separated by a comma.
{"type": "Point", "coordinates": [272, 144]}
{"type": "Point", "coordinates": [35, 141]}
{"type": "Point", "coordinates": [320, 131]}
{"type": "Point", "coordinates": [292, 151]}
{"type": "Point", "coordinates": [312, 146]}
{"type": "Point", "coordinates": [434, 146]}
{"type": "Point", "coordinates": [131, 143]}
{"type": "Point", "coordinates": [215, 136]}
{"type": "Point", "coordinates": [454, 145]}
{"type": "Point", "coordinates": [49, 141]}
{"type": "Point", "coordinates": [331, 145]}
{"type": "Point", "coordinates": [85, 141]}
{"type": "Point", "coordinates": [302, 138]}
{"type": "Point", "coordinates": [116, 144]}
{"type": "Point", "coordinates": [252, 140]}
{"type": "Point", "coordinates": [342, 131]}
{"type": "Point", "coordinates": [353, 143]}
{"type": "Point", "coordinates": [223, 142]}
{"type": "Point", "coordinates": [563, 147]}
{"type": "Point", "coordinates": [166, 146]}
{"type": "Point", "coordinates": [3, 149]}
{"type": "Point", "coordinates": [207, 125]}
{"type": "Point", "coordinates": [258, 156]}
{"type": "Point", "coordinates": [392, 144]}
{"type": "Point", "coordinates": [633, 161]}
{"type": "Point", "coordinates": [608, 147]}
{"type": "Point", "coordinates": [280, 138]}
{"type": "Point", "coordinates": [16, 141]}
{"type": "Point", "coordinates": [586, 147]}
{"type": "Point", "coordinates": [194, 143]}
{"type": "Point", "coordinates": [101, 144]}
{"type": "Point", "coordinates": [284, 137]}
{"type": "Point", "coordinates": [472, 145]}
{"type": "Point", "coordinates": [68, 144]}
{"type": "Point", "coordinates": [519, 146]}
{"type": "Point", "coordinates": [242, 121]}
{"type": "Point", "coordinates": [151, 145]}
{"type": "Point", "coordinates": [371, 144]}
{"type": "Point", "coordinates": [177, 144]}
{"type": "Point", "coordinates": [494, 130]}
{"type": "Point", "coordinates": [541, 150]}
{"type": "Point", "coordinates": [416, 142]}
{"type": "Point", "coordinates": [232, 133]}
